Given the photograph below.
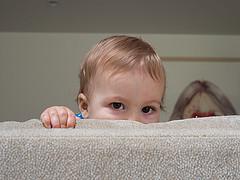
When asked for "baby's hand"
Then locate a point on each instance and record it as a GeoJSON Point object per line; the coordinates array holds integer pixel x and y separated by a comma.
{"type": "Point", "coordinates": [58, 117]}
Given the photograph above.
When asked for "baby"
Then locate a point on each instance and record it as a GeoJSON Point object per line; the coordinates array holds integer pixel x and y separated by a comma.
{"type": "Point", "coordinates": [122, 78]}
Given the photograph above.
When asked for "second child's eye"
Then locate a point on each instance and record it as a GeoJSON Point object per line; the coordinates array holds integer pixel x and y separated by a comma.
{"type": "Point", "coordinates": [117, 106]}
{"type": "Point", "coordinates": [147, 109]}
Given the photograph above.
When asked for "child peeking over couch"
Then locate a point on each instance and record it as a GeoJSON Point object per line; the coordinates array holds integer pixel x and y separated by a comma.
{"type": "Point", "coordinates": [123, 78]}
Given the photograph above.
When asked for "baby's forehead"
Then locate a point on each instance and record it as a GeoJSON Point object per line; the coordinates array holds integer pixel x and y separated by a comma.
{"type": "Point", "coordinates": [132, 86]}
{"type": "Point", "coordinates": [136, 77]}
{"type": "Point", "coordinates": [126, 79]}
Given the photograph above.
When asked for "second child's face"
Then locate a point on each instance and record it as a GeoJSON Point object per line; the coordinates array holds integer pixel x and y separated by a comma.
{"type": "Point", "coordinates": [126, 96]}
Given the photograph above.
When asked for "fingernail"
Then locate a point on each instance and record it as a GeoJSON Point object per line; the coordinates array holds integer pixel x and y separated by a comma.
{"type": "Point", "coordinates": [73, 116]}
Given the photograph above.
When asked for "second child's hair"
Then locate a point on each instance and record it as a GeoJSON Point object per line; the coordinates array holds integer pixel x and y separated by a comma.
{"type": "Point", "coordinates": [118, 54]}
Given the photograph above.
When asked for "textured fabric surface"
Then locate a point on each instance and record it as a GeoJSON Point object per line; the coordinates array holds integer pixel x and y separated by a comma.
{"type": "Point", "coordinates": [205, 148]}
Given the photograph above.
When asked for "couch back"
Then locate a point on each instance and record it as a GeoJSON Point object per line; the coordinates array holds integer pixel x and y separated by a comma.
{"type": "Point", "coordinates": [204, 148]}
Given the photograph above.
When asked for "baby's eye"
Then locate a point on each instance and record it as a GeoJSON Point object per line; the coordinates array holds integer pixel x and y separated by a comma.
{"type": "Point", "coordinates": [147, 109]}
{"type": "Point", "coordinates": [117, 106]}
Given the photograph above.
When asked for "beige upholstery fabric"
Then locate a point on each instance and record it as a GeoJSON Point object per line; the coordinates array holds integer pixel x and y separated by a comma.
{"type": "Point", "coordinates": [206, 148]}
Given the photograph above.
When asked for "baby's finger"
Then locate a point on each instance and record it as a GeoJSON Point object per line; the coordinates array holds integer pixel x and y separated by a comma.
{"type": "Point", "coordinates": [63, 116]}
{"type": "Point", "coordinates": [71, 122]}
{"type": "Point", "coordinates": [55, 122]}
{"type": "Point", "coordinates": [45, 118]}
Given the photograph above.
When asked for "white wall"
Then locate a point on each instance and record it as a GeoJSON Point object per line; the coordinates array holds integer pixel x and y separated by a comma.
{"type": "Point", "coordinates": [38, 70]}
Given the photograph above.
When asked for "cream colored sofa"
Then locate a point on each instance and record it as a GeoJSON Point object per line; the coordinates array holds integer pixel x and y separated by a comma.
{"type": "Point", "coordinates": [206, 148]}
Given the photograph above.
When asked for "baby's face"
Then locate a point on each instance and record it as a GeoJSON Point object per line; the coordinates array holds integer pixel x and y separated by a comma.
{"type": "Point", "coordinates": [126, 96]}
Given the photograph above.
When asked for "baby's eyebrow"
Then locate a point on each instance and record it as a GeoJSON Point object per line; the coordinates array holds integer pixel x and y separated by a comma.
{"type": "Point", "coordinates": [120, 98]}
{"type": "Point", "coordinates": [154, 101]}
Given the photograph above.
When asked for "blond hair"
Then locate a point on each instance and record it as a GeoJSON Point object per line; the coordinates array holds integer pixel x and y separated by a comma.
{"type": "Point", "coordinates": [120, 54]}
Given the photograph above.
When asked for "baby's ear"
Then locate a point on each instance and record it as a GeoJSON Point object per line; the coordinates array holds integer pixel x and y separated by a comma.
{"type": "Point", "coordinates": [83, 105]}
